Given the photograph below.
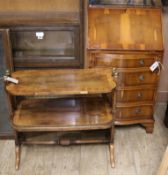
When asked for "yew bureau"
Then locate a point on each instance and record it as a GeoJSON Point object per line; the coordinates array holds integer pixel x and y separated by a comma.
{"type": "Point", "coordinates": [128, 41]}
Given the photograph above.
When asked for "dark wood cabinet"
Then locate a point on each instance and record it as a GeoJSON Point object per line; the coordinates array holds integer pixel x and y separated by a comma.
{"type": "Point", "coordinates": [46, 47]}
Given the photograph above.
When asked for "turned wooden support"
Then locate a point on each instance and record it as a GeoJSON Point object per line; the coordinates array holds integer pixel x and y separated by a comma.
{"type": "Point", "coordinates": [17, 156]}
{"type": "Point", "coordinates": [112, 157]}
{"type": "Point", "coordinates": [17, 151]}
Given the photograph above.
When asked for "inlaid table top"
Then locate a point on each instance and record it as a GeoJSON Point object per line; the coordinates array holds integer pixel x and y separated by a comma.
{"type": "Point", "coordinates": [61, 82]}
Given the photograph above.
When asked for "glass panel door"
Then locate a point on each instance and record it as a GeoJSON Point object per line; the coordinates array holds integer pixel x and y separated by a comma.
{"type": "Point", "coordinates": [46, 47]}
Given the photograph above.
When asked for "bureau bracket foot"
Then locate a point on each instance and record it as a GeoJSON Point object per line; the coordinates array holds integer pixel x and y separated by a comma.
{"type": "Point", "coordinates": [149, 127]}
{"type": "Point", "coordinates": [17, 156]}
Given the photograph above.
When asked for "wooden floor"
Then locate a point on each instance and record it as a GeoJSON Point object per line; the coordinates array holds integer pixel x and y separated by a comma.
{"type": "Point", "coordinates": [137, 153]}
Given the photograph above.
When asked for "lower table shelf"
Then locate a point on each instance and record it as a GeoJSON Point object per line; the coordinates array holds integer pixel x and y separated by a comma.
{"type": "Point", "coordinates": [63, 114]}
{"type": "Point", "coordinates": [66, 138]}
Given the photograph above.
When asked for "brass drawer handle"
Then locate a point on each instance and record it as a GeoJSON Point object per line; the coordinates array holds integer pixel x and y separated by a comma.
{"type": "Point", "coordinates": [115, 74]}
{"type": "Point", "coordinates": [139, 95]}
{"type": "Point", "coordinates": [141, 77]}
{"type": "Point", "coordinates": [137, 111]}
{"type": "Point", "coordinates": [141, 62]}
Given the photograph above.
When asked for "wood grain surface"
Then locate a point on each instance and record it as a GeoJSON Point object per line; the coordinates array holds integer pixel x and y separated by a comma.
{"type": "Point", "coordinates": [61, 82]}
{"type": "Point", "coordinates": [62, 114]}
{"type": "Point", "coordinates": [122, 60]}
{"type": "Point", "coordinates": [136, 153]}
{"type": "Point", "coordinates": [125, 29]}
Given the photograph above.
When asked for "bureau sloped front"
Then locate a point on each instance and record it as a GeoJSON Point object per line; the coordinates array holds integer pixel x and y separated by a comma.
{"type": "Point", "coordinates": [136, 29]}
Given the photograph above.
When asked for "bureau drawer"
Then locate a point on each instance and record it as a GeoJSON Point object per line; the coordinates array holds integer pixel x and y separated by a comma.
{"type": "Point", "coordinates": [137, 95]}
{"type": "Point", "coordinates": [46, 47]}
{"type": "Point", "coordinates": [135, 77]}
{"type": "Point", "coordinates": [122, 60]}
{"type": "Point", "coordinates": [138, 112]}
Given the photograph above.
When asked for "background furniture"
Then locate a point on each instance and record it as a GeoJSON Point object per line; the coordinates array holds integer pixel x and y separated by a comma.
{"type": "Point", "coordinates": [165, 2]}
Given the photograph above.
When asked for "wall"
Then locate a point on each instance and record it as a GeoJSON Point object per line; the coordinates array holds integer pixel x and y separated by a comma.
{"type": "Point", "coordinates": [163, 86]}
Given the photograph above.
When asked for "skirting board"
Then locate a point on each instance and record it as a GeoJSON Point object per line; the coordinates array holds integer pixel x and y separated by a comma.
{"type": "Point", "coordinates": [162, 97]}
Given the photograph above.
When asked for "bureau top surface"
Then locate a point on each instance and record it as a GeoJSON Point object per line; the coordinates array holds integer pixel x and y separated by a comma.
{"type": "Point", "coordinates": [61, 82]}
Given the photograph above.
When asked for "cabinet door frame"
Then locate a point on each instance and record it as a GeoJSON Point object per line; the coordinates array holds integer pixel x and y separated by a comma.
{"type": "Point", "coordinates": [7, 49]}
{"type": "Point", "coordinates": [6, 43]}
{"type": "Point", "coordinates": [76, 63]}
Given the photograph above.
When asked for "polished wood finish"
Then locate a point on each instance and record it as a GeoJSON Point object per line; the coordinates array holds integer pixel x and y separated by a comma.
{"type": "Point", "coordinates": [122, 60]}
{"type": "Point", "coordinates": [61, 82]}
{"type": "Point", "coordinates": [50, 113]}
{"type": "Point", "coordinates": [111, 42]}
{"type": "Point", "coordinates": [62, 115]}
{"type": "Point", "coordinates": [133, 137]}
{"type": "Point", "coordinates": [112, 160]}
{"type": "Point", "coordinates": [143, 111]}
{"type": "Point", "coordinates": [137, 95]}
{"type": "Point", "coordinates": [17, 156]}
{"type": "Point", "coordinates": [127, 40]}
{"type": "Point", "coordinates": [112, 154]}
{"type": "Point", "coordinates": [136, 77]}
{"type": "Point", "coordinates": [124, 29]}
{"type": "Point", "coordinates": [67, 138]}
{"type": "Point", "coordinates": [133, 149]}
